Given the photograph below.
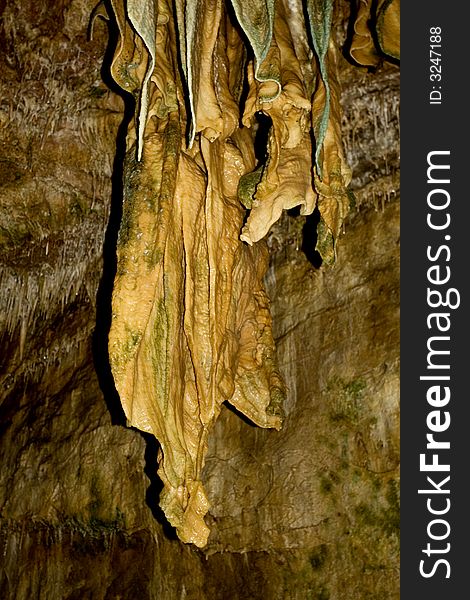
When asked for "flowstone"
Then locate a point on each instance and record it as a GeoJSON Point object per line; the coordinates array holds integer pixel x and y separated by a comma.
{"type": "Point", "coordinates": [191, 326]}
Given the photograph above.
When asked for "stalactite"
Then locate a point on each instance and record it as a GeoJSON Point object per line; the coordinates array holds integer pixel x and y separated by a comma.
{"type": "Point", "coordinates": [191, 326]}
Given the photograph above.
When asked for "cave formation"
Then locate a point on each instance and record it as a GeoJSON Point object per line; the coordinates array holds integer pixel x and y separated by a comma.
{"type": "Point", "coordinates": [254, 184]}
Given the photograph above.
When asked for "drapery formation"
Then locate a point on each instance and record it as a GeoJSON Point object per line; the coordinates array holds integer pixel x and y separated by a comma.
{"type": "Point", "coordinates": [385, 17]}
{"type": "Point", "coordinates": [191, 326]}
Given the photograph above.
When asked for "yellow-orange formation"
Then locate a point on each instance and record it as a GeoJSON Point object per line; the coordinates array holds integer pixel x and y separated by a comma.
{"type": "Point", "coordinates": [191, 326]}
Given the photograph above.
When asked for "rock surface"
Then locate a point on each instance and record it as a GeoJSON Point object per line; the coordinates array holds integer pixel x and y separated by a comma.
{"type": "Point", "coordinates": [307, 512]}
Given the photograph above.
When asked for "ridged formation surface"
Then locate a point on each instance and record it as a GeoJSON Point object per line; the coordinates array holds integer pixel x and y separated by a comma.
{"type": "Point", "coordinates": [191, 326]}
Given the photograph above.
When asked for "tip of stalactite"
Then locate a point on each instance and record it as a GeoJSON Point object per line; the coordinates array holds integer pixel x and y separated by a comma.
{"type": "Point", "coordinates": [196, 533]}
{"type": "Point", "coordinates": [245, 237]}
{"type": "Point", "coordinates": [185, 508]}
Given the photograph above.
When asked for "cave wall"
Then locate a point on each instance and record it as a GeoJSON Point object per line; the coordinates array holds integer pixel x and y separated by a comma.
{"type": "Point", "coordinates": [307, 512]}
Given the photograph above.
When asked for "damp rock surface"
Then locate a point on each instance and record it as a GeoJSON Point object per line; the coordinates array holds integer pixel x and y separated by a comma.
{"type": "Point", "coordinates": [310, 511]}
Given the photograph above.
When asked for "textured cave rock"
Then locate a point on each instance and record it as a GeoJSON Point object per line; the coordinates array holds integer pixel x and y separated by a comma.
{"type": "Point", "coordinates": [307, 512]}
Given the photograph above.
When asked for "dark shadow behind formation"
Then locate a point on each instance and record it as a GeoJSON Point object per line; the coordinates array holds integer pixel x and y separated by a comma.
{"type": "Point", "coordinates": [105, 288]}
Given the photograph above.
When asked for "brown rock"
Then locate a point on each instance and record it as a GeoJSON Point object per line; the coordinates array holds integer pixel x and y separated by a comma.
{"type": "Point", "coordinates": [309, 511]}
